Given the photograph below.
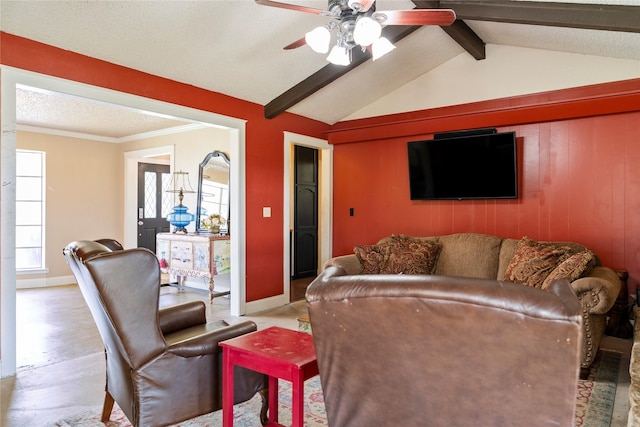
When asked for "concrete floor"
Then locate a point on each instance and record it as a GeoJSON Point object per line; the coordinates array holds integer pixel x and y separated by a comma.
{"type": "Point", "coordinates": [61, 357]}
{"type": "Point", "coordinates": [61, 360]}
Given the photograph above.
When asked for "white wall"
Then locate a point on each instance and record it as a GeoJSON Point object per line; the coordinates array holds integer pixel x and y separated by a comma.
{"type": "Point", "coordinates": [507, 71]}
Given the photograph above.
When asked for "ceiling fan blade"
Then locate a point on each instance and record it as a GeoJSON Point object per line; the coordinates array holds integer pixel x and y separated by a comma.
{"type": "Point", "coordinates": [296, 44]}
{"type": "Point", "coordinates": [290, 6]}
{"type": "Point", "coordinates": [441, 17]}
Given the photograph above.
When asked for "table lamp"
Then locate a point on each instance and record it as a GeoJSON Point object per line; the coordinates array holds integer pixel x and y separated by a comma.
{"type": "Point", "coordinates": [180, 218]}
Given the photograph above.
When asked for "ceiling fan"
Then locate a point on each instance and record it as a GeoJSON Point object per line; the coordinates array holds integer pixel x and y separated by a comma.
{"type": "Point", "coordinates": [357, 23]}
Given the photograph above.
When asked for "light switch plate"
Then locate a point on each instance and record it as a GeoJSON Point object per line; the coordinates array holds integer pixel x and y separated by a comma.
{"type": "Point", "coordinates": [266, 212]}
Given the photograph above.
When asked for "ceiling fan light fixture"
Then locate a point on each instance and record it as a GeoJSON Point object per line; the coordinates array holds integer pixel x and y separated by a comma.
{"type": "Point", "coordinates": [339, 56]}
{"type": "Point", "coordinates": [366, 31]}
{"type": "Point", "coordinates": [381, 47]}
{"type": "Point", "coordinates": [318, 39]}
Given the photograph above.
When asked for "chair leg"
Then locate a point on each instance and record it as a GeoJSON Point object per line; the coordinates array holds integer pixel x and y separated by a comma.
{"type": "Point", "coordinates": [107, 407]}
{"type": "Point", "coordinates": [584, 373]}
{"type": "Point", "coordinates": [264, 417]}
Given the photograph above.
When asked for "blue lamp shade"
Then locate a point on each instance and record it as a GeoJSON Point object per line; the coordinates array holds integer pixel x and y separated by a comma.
{"type": "Point", "coordinates": [180, 218]}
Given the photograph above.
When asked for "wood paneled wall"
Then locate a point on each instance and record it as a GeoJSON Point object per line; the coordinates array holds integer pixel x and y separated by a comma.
{"type": "Point", "coordinates": [579, 177]}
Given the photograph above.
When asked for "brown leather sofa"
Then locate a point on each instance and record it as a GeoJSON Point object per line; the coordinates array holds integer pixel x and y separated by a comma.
{"type": "Point", "coordinates": [164, 365]}
{"type": "Point", "coordinates": [419, 350]}
{"type": "Point", "coordinates": [488, 257]}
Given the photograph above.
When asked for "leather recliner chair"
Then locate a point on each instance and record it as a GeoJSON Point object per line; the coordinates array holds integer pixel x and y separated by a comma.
{"type": "Point", "coordinates": [112, 244]}
{"type": "Point", "coordinates": [444, 351]}
{"type": "Point", "coordinates": [164, 365]}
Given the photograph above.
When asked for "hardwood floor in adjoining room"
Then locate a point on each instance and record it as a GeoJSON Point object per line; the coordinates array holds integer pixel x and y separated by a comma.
{"type": "Point", "coordinates": [299, 287]}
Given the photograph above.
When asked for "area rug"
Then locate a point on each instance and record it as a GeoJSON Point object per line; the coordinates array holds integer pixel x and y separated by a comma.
{"type": "Point", "coordinates": [596, 394]}
{"type": "Point", "coordinates": [245, 414]}
{"type": "Point", "coordinates": [594, 403]}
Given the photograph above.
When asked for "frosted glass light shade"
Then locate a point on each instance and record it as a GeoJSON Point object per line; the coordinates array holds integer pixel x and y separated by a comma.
{"type": "Point", "coordinates": [339, 56]}
{"type": "Point", "coordinates": [366, 31]}
{"type": "Point", "coordinates": [381, 47]}
{"type": "Point", "coordinates": [318, 39]}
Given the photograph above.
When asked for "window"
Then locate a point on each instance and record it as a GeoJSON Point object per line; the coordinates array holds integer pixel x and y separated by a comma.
{"type": "Point", "coordinates": [151, 195]}
{"type": "Point", "coordinates": [30, 204]}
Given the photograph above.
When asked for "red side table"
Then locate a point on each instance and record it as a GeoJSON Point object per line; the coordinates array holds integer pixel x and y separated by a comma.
{"type": "Point", "coordinates": [278, 353]}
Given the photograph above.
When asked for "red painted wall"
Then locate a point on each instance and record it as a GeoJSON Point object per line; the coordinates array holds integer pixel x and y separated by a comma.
{"type": "Point", "coordinates": [264, 139]}
{"type": "Point", "coordinates": [579, 174]}
{"type": "Point", "coordinates": [578, 154]}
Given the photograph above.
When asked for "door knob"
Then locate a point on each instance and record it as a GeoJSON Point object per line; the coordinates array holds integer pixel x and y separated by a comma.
{"type": "Point", "coordinates": [140, 223]}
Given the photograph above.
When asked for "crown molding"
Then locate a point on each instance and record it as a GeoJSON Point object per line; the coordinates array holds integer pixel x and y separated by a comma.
{"type": "Point", "coordinates": [100, 138]}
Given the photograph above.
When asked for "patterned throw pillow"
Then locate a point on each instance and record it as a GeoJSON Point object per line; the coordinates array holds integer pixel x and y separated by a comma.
{"type": "Point", "coordinates": [572, 268]}
{"type": "Point", "coordinates": [372, 257]}
{"type": "Point", "coordinates": [533, 262]}
{"type": "Point", "coordinates": [408, 255]}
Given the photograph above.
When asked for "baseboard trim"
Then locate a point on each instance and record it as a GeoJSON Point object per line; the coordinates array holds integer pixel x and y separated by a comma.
{"type": "Point", "coordinates": [45, 282]}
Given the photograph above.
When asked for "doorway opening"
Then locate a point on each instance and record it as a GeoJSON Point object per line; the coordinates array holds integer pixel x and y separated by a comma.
{"type": "Point", "coordinates": [153, 203]}
{"type": "Point", "coordinates": [304, 249]}
{"type": "Point", "coordinates": [10, 81]}
{"type": "Point", "coordinates": [304, 238]}
{"type": "Point", "coordinates": [320, 244]}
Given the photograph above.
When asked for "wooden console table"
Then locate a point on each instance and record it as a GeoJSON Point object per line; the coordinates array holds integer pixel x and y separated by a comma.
{"type": "Point", "coordinates": [192, 255]}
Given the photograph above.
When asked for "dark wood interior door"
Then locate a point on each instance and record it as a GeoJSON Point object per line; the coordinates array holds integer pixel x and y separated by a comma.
{"type": "Point", "coordinates": [305, 221]}
{"type": "Point", "coordinates": [153, 205]}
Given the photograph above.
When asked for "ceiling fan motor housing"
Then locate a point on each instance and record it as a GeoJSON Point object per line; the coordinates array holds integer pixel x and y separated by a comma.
{"type": "Point", "coordinates": [346, 32]}
{"type": "Point", "coordinates": [341, 9]}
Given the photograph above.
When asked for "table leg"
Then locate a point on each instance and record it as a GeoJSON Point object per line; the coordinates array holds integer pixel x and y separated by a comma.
{"type": "Point", "coordinates": [227, 388]}
{"type": "Point", "coordinates": [273, 400]}
{"type": "Point", "coordinates": [297, 399]}
{"type": "Point", "coordinates": [211, 289]}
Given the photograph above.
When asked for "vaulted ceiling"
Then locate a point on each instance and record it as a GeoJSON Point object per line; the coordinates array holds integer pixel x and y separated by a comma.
{"type": "Point", "coordinates": [235, 47]}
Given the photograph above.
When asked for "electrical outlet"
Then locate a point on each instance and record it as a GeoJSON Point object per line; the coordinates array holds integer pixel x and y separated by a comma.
{"type": "Point", "coordinates": [351, 212]}
{"type": "Point", "coordinates": [266, 212]}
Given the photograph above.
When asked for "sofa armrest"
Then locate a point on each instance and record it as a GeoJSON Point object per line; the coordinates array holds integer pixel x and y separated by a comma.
{"type": "Point", "coordinates": [349, 262]}
{"type": "Point", "coordinates": [182, 316]}
{"type": "Point", "coordinates": [205, 339]}
{"type": "Point", "coordinates": [598, 291]}
{"type": "Point", "coordinates": [634, 371]}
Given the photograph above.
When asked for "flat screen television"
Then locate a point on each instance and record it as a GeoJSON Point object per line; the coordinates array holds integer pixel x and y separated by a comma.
{"type": "Point", "coordinates": [481, 166]}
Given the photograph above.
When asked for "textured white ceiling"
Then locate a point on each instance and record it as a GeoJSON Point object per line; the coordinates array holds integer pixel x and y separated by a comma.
{"type": "Point", "coordinates": [235, 47]}
{"type": "Point", "coordinates": [61, 112]}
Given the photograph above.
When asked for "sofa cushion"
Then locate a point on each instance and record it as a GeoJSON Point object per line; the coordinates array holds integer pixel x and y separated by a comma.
{"type": "Point", "coordinates": [507, 250]}
{"type": "Point", "coordinates": [571, 268]}
{"type": "Point", "coordinates": [372, 257]}
{"type": "Point", "coordinates": [399, 254]}
{"type": "Point", "coordinates": [408, 255]}
{"type": "Point", "coordinates": [469, 255]}
{"type": "Point", "coordinates": [534, 261]}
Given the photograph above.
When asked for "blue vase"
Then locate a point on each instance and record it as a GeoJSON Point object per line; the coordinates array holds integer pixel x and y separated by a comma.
{"type": "Point", "coordinates": [180, 218]}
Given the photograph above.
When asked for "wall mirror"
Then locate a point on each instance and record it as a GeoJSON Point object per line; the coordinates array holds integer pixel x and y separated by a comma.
{"type": "Point", "coordinates": [213, 190]}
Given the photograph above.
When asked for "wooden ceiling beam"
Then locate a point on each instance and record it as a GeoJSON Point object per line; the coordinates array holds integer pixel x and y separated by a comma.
{"type": "Point", "coordinates": [329, 73]}
{"type": "Point", "coordinates": [459, 31]}
{"type": "Point", "coordinates": [467, 38]}
{"type": "Point", "coordinates": [572, 15]}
